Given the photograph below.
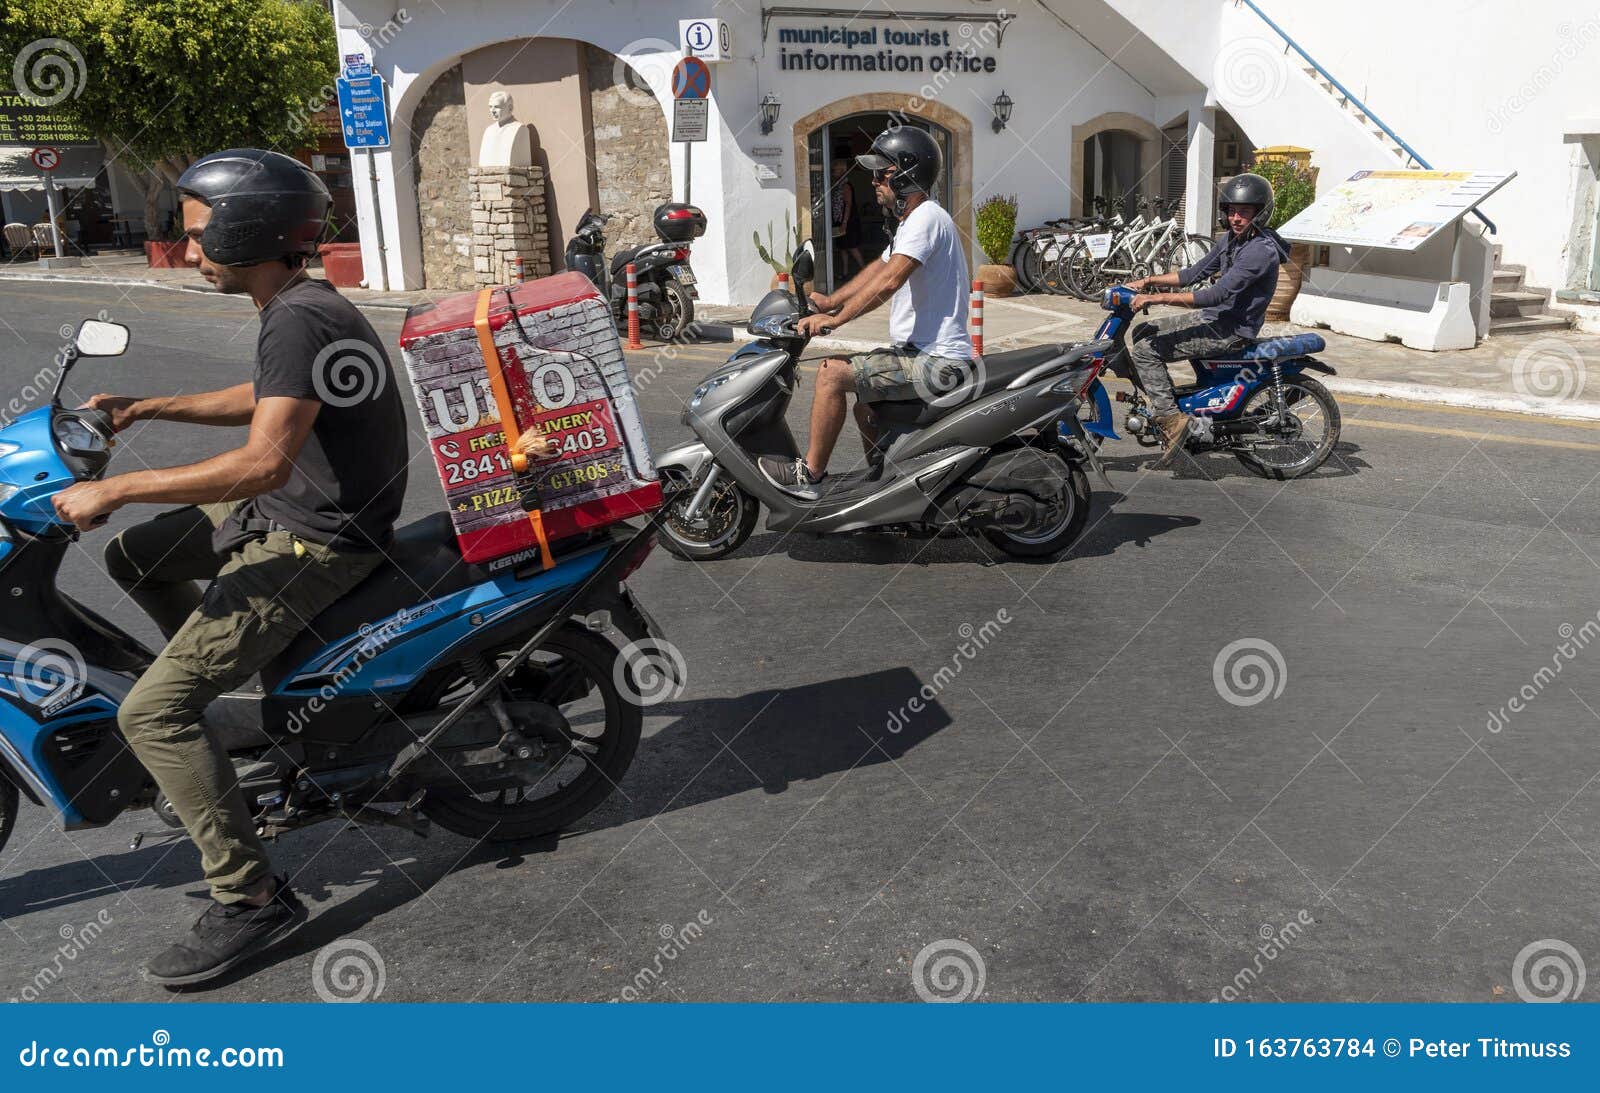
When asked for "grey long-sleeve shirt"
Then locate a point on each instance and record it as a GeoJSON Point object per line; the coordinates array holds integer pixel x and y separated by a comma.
{"type": "Point", "coordinates": [1249, 268]}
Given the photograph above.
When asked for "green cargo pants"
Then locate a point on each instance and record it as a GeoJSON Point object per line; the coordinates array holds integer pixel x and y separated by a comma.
{"type": "Point", "coordinates": [261, 596]}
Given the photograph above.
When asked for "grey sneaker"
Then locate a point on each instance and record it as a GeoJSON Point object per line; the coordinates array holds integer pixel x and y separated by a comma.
{"type": "Point", "coordinates": [792, 476]}
{"type": "Point", "coordinates": [225, 935]}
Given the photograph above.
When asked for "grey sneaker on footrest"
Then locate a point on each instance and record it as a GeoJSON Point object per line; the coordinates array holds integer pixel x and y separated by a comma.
{"type": "Point", "coordinates": [792, 476]}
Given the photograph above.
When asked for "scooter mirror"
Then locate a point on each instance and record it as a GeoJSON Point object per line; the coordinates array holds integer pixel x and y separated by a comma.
{"type": "Point", "coordinates": [101, 339]}
{"type": "Point", "coordinates": [804, 268]}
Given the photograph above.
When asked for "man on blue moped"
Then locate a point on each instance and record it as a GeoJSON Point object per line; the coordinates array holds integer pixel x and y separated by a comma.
{"type": "Point", "coordinates": [1231, 309]}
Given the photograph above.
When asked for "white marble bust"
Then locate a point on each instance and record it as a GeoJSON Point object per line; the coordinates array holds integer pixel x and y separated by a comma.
{"type": "Point", "coordinates": [506, 141]}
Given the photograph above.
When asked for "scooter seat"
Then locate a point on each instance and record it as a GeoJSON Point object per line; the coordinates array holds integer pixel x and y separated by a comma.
{"type": "Point", "coordinates": [996, 371]}
{"type": "Point", "coordinates": [422, 563]}
{"type": "Point", "coordinates": [1271, 349]}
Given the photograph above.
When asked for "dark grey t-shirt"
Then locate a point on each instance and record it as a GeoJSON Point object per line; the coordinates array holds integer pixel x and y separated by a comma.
{"type": "Point", "coordinates": [349, 479]}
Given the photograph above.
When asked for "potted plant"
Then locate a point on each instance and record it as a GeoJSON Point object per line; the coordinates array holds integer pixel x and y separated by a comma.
{"type": "Point", "coordinates": [1294, 187]}
{"type": "Point", "coordinates": [791, 240]}
{"type": "Point", "coordinates": [997, 223]}
{"type": "Point", "coordinates": [165, 249]}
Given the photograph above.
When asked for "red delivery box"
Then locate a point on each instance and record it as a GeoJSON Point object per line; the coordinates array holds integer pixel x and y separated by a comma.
{"type": "Point", "coordinates": [542, 357]}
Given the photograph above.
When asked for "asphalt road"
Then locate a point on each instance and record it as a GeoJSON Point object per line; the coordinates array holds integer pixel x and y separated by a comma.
{"type": "Point", "coordinates": [1081, 804]}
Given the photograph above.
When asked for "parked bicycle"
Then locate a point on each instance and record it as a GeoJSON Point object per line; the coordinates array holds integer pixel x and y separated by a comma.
{"type": "Point", "coordinates": [1143, 247]}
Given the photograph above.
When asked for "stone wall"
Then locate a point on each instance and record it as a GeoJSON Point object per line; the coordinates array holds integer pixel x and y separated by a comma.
{"type": "Point", "coordinates": [444, 194]}
{"type": "Point", "coordinates": [508, 222]}
{"type": "Point", "coordinates": [630, 150]}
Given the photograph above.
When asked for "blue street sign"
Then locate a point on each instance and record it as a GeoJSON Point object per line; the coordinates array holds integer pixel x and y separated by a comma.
{"type": "Point", "coordinates": [691, 79]}
{"type": "Point", "coordinates": [363, 116]}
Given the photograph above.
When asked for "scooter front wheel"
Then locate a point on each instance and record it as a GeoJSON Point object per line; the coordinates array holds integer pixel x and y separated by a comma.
{"type": "Point", "coordinates": [722, 525]}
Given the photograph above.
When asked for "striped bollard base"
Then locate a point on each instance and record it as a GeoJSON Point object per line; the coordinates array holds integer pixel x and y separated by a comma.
{"type": "Point", "coordinates": [977, 317]}
{"type": "Point", "coordinates": [633, 310]}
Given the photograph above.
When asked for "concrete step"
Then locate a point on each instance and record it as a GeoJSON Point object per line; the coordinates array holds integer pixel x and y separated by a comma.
{"type": "Point", "coordinates": [1507, 280]}
{"type": "Point", "coordinates": [1520, 302]}
{"type": "Point", "coordinates": [1538, 324]}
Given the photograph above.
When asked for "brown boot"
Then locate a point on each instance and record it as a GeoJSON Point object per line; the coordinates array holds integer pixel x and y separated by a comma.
{"type": "Point", "coordinates": [1174, 431]}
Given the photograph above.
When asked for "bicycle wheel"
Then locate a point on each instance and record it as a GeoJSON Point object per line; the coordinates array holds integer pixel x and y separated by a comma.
{"type": "Point", "coordinates": [1081, 275]}
{"type": "Point", "coordinates": [1051, 276]}
{"type": "Point", "coordinates": [1028, 267]}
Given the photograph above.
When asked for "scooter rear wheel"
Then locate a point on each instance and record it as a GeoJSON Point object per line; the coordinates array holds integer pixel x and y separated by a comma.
{"type": "Point", "coordinates": [1300, 445]}
{"type": "Point", "coordinates": [729, 518]}
{"type": "Point", "coordinates": [1059, 534]}
{"type": "Point", "coordinates": [604, 727]}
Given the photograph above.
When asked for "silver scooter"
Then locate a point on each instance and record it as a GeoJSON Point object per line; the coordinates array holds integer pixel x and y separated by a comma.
{"type": "Point", "coordinates": [981, 454]}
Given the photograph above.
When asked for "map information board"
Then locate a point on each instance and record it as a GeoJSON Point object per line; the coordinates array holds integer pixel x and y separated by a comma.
{"type": "Point", "coordinates": [1395, 210]}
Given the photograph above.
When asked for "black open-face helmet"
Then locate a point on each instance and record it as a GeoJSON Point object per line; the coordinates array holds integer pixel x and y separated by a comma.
{"type": "Point", "coordinates": [915, 156]}
{"type": "Point", "coordinates": [264, 206]}
{"type": "Point", "coordinates": [1247, 189]}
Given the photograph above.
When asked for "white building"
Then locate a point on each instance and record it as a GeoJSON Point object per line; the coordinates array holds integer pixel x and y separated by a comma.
{"type": "Point", "coordinates": [1154, 97]}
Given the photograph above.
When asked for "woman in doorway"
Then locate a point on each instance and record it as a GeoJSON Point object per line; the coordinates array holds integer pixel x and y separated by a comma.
{"type": "Point", "coordinates": [846, 219]}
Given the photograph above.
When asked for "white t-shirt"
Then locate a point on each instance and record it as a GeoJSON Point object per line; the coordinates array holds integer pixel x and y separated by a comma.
{"type": "Point", "coordinates": [929, 311]}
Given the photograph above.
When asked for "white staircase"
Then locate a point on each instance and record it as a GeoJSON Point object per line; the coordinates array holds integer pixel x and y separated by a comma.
{"type": "Point", "coordinates": [1514, 308]}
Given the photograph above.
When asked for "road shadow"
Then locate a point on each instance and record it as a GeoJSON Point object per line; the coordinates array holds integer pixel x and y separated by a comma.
{"type": "Point", "coordinates": [713, 748]}
{"type": "Point", "coordinates": [1342, 462]}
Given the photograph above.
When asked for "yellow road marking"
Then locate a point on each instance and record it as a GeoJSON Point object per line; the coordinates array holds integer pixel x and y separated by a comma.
{"type": "Point", "coordinates": [1437, 408]}
{"type": "Point", "coordinates": [1468, 434]}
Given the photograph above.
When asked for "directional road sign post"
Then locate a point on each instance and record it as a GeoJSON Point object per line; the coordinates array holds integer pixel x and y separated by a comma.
{"type": "Point", "coordinates": [364, 121]}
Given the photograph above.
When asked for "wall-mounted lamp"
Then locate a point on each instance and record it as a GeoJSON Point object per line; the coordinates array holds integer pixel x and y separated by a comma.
{"type": "Point", "coordinates": [769, 111]}
{"type": "Point", "coordinates": [1002, 111]}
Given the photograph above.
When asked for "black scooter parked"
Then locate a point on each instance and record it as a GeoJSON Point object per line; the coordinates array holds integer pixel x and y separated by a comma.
{"type": "Point", "coordinates": [661, 270]}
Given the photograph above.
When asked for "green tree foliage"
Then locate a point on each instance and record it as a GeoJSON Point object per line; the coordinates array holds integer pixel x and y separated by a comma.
{"type": "Point", "coordinates": [997, 223]}
{"type": "Point", "coordinates": [166, 81]}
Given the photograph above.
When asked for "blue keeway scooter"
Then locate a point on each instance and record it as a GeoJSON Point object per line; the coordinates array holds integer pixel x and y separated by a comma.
{"type": "Point", "coordinates": [1256, 402]}
{"type": "Point", "coordinates": [501, 705]}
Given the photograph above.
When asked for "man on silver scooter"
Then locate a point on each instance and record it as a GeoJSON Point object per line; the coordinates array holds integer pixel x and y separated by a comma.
{"type": "Point", "coordinates": [924, 276]}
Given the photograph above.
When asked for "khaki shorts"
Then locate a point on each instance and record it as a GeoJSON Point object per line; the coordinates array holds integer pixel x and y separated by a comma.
{"type": "Point", "coordinates": [902, 374]}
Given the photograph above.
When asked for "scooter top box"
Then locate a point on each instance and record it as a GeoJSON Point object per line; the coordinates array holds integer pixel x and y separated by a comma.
{"type": "Point", "coordinates": [543, 358]}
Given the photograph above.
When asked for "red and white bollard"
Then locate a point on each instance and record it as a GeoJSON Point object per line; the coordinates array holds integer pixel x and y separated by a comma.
{"type": "Point", "coordinates": [976, 321]}
{"type": "Point", "coordinates": [516, 270]}
{"type": "Point", "coordinates": [783, 282]}
{"type": "Point", "coordinates": [633, 310]}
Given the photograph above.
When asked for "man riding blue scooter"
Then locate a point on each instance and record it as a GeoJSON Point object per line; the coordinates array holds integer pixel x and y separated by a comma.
{"type": "Point", "coordinates": [1231, 309]}
{"type": "Point", "coordinates": [280, 527]}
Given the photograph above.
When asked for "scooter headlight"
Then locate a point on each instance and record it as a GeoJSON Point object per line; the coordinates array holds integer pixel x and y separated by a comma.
{"type": "Point", "coordinates": [707, 387]}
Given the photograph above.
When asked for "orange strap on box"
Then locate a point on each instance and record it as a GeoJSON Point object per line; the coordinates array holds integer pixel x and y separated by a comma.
{"type": "Point", "coordinates": [508, 419]}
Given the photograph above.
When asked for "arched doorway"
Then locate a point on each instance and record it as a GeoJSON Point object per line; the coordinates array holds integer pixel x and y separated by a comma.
{"type": "Point", "coordinates": [843, 130]}
{"type": "Point", "coordinates": [1115, 155]}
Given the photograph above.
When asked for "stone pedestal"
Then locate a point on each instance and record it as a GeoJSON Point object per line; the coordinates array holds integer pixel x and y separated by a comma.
{"type": "Point", "coordinates": [508, 221]}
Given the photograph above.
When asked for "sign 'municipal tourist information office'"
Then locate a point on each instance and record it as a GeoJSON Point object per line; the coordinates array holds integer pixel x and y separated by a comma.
{"type": "Point", "coordinates": [1059, 104]}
